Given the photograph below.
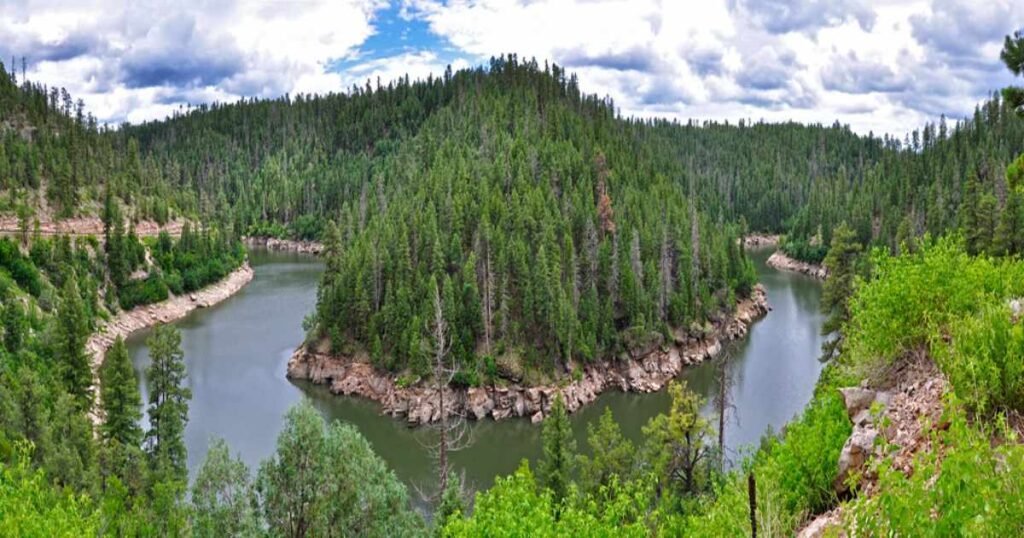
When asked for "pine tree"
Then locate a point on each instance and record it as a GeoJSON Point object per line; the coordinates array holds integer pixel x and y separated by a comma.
{"type": "Point", "coordinates": [71, 334]}
{"type": "Point", "coordinates": [15, 325]}
{"type": "Point", "coordinates": [613, 454]}
{"type": "Point", "coordinates": [168, 405]}
{"type": "Point", "coordinates": [676, 447]}
{"type": "Point", "coordinates": [119, 397]}
{"type": "Point", "coordinates": [556, 465]}
{"type": "Point", "coordinates": [840, 262]}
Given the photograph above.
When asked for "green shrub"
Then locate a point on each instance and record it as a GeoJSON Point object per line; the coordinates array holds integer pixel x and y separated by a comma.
{"type": "Point", "coordinates": [985, 360]}
{"type": "Point", "coordinates": [794, 476]}
{"type": "Point", "coordinates": [972, 487]}
{"type": "Point", "coordinates": [141, 292]}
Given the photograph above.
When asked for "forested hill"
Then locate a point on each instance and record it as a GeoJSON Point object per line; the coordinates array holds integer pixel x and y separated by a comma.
{"type": "Point", "coordinates": [275, 160]}
{"type": "Point", "coordinates": [271, 166]}
{"type": "Point", "coordinates": [57, 162]}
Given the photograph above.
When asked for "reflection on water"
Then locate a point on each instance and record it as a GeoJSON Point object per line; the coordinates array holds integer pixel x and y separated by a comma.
{"type": "Point", "coordinates": [236, 353]}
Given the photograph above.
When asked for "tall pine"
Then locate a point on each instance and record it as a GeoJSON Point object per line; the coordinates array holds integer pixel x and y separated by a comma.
{"type": "Point", "coordinates": [168, 404]}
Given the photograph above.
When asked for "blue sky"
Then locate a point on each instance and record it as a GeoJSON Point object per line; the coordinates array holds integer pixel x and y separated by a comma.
{"type": "Point", "coordinates": [885, 66]}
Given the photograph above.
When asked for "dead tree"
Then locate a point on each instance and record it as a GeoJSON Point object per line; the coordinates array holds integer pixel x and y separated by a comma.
{"type": "Point", "coordinates": [452, 435]}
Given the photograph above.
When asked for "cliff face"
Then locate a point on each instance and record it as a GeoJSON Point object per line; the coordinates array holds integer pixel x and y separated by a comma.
{"type": "Point", "coordinates": [641, 370]}
{"type": "Point", "coordinates": [780, 261]}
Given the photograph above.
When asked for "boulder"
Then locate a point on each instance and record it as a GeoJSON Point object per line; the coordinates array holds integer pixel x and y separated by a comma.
{"type": "Point", "coordinates": [479, 403]}
{"type": "Point", "coordinates": [857, 399]}
{"type": "Point", "coordinates": [854, 455]}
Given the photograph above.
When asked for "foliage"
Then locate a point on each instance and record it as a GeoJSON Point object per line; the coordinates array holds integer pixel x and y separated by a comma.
{"type": "Point", "coordinates": [967, 486]}
{"type": "Point", "coordinates": [326, 480]}
{"type": "Point", "coordinates": [515, 506]}
{"type": "Point", "coordinates": [804, 250]}
{"type": "Point", "coordinates": [556, 466]}
{"type": "Point", "coordinates": [794, 476]}
{"type": "Point", "coordinates": [912, 299]}
{"type": "Point", "coordinates": [30, 506]}
{"type": "Point", "coordinates": [223, 496]}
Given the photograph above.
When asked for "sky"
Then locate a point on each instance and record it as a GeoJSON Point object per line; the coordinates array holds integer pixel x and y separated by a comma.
{"type": "Point", "coordinates": [885, 66]}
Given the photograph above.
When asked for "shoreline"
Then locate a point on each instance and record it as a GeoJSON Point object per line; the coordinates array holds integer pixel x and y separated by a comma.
{"type": "Point", "coordinates": [171, 309]}
{"type": "Point", "coordinates": [284, 245]}
{"type": "Point", "coordinates": [779, 260]}
{"type": "Point", "coordinates": [639, 370]}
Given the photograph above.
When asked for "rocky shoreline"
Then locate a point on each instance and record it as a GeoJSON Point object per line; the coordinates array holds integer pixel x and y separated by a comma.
{"type": "Point", "coordinates": [641, 370]}
{"type": "Point", "coordinates": [284, 245]}
{"type": "Point", "coordinates": [174, 308]}
{"type": "Point", "coordinates": [779, 260]}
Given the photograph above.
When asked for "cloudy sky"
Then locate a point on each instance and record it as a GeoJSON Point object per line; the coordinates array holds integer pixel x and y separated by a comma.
{"type": "Point", "coordinates": [882, 66]}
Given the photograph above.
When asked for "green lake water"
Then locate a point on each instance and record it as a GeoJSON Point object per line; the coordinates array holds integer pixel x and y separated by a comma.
{"type": "Point", "coordinates": [236, 354]}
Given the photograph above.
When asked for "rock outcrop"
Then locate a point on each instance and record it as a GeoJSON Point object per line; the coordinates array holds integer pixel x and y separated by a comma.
{"type": "Point", "coordinates": [285, 245]}
{"type": "Point", "coordinates": [645, 369]}
{"type": "Point", "coordinates": [779, 260]}
{"type": "Point", "coordinates": [909, 406]}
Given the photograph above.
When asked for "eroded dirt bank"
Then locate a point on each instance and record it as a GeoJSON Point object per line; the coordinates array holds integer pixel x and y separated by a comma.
{"type": "Point", "coordinates": [87, 226]}
{"type": "Point", "coordinates": [644, 369]}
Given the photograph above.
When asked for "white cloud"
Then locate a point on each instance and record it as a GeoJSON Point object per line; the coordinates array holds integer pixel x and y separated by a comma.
{"type": "Point", "coordinates": [885, 66]}
{"type": "Point", "coordinates": [866, 65]}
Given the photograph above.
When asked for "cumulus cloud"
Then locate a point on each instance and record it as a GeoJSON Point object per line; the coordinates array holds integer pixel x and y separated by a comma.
{"type": "Point", "coordinates": [886, 66]}
{"type": "Point", "coordinates": [782, 16]}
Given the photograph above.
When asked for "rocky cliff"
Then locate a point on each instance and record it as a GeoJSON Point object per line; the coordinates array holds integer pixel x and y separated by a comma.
{"type": "Point", "coordinates": [639, 370]}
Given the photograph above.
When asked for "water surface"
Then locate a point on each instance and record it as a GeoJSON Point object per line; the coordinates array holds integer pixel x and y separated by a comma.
{"type": "Point", "coordinates": [236, 354]}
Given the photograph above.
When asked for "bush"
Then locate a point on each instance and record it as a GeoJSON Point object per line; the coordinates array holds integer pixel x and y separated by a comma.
{"type": "Point", "coordinates": [20, 268]}
{"type": "Point", "coordinates": [985, 360]}
{"type": "Point", "coordinates": [972, 487]}
{"type": "Point", "coordinates": [794, 475]}
{"type": "Point", "coordinates": [801, 249]}
{"type": "Point", "coordinates": [149, 290]}
{"type": "Point", "coordinates": [913, 299]}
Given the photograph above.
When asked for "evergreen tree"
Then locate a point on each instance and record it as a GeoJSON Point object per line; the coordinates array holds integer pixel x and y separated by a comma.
{"type": "Point", "coordinates": [14, 325]}
{"type": "Point", "coordinates": [71, 333]}
{"type": "Point", "coordinates": [613, 454]}
{"type": "Point", "coordinates": [119, 397]}
{"type": "Point", "coordinates": [168, 405]}
{"type": "Point", "coordinates": [841, 263]}
{"type": "Point", "coordinates": [559, 457]}
{"type": "Point", "coordinates": [677, 446]}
